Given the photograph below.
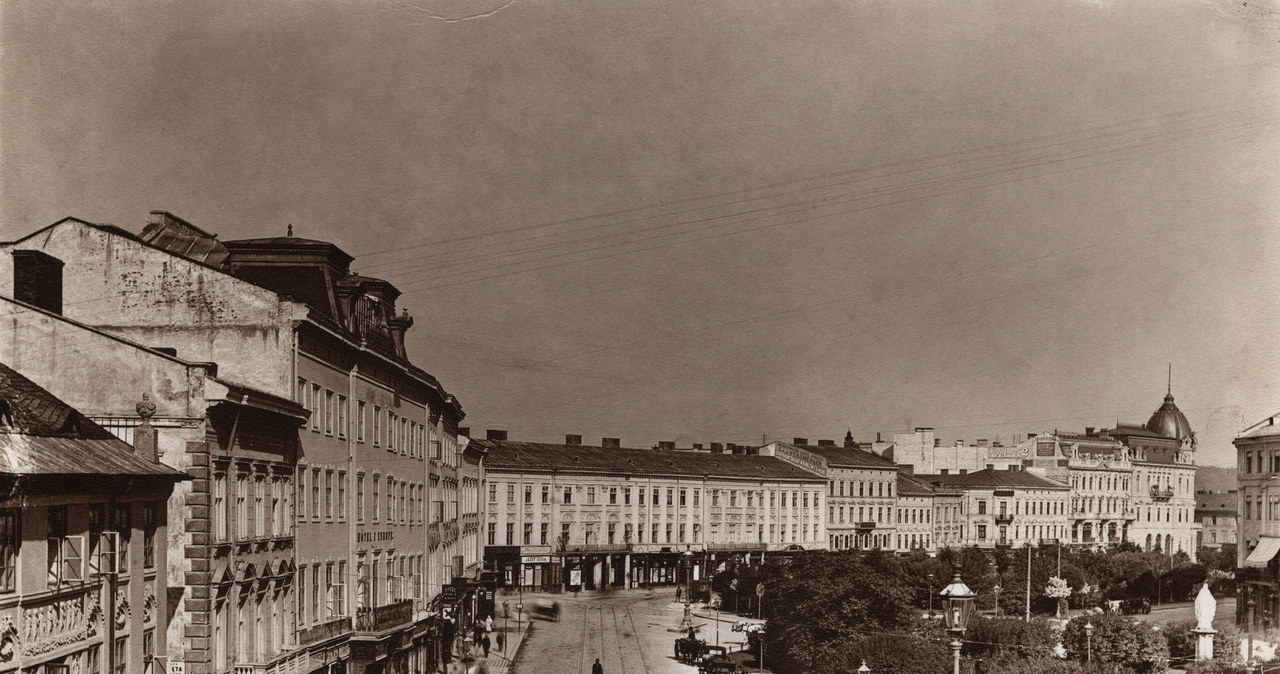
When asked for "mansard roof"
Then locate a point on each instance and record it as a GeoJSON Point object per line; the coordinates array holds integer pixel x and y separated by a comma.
{"type": "Point", "coordinates": [505, 455]}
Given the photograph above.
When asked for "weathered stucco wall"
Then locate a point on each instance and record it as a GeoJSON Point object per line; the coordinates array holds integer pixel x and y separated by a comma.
{"type": "Point", "coordinates": [150, 296]}
{"type": "Point", "coordinates": [104, 378]}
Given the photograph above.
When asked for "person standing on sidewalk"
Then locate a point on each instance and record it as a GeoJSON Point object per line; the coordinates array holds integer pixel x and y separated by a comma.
{"type": "Point", "coordinates": [597, 668]}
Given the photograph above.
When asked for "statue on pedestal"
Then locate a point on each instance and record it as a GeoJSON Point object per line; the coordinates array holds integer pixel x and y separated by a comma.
{"type": "Point", "coordinates": [1206, 608]}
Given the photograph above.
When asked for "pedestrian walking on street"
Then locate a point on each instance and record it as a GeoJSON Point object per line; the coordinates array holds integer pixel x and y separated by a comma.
{"type": "Point", "coordinates": [677, 593]}
{"type": "Point", "coordinates": [502, 641]}
{"type": "Point", "coordinates": [484, 641]}
{"type": "Point", "coordinates": [597, 668]}
{"type": "Point", "coordinates": [488, 623]}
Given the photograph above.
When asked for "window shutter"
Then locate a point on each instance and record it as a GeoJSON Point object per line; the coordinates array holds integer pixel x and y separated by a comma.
{"type": "Point", "coordinates": [55, 561]}
{"type": "Point", "coordinates": [73, 558]}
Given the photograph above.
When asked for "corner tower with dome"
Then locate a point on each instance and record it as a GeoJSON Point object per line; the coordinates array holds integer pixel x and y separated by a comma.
{"type": "Point", "coordinates": [1162, 491]}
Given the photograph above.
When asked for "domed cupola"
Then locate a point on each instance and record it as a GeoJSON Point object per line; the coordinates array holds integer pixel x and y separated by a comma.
{"type": "Point", "coordinates": [1169, 421]}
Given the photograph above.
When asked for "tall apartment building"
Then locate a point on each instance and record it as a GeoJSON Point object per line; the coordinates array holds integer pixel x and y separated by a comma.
{"type": "Point", "coordinates": [83, 583]}
{"type": "Point", "coordinates": [1258, 546]}
{"type": "Point", "coordinates": [1163, 483]}
{"type": "Point", "coordinates": [1218, 518]}
{"type": "Point", "coordinates": [377, 473]}
{"type": "Point", "coordinates": [916, 512]}
{"type": "Point", "coordinates": [1009, 507]}
{"type": "Point", "coordinates": [861, 490]}
{"type": "Point", "coordinates": [576, 516]}
{"type": "Point", "coordinates": [231, 558]}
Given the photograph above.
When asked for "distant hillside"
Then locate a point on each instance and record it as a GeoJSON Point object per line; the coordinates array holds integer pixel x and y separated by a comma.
{"type": "Point", "coordinates": [1214, 478]}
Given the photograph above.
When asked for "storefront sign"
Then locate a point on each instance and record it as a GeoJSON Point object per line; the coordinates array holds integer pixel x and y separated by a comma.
{"type": "Point", "coordinates": [536, 559]}
{"type": "Point", "coordinates": [575, 576]}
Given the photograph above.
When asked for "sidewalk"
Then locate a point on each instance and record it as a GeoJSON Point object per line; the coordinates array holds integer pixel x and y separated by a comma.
{"type": "Point", "coordinates": [500, 661]}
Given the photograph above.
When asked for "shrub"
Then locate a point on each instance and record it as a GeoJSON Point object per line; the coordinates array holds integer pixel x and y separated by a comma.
{"type": "Point", "coordinates": [1009, 636]}
{"type": "Point", "coordinates": [1118, 640]}
{"type": "Point", "coordinates": [1182, 643]}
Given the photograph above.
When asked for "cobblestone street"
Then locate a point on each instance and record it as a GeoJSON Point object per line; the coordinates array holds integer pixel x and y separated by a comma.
{"type": "Point", "coordinates": [630, 632]}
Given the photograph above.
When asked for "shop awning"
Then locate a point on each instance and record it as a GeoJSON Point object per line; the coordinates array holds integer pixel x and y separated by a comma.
{"type": "Point", "coordinates": [1264, 552]}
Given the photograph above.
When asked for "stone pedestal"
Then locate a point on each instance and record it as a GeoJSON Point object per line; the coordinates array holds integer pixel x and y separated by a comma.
{"type": "Point", "coordinates": [1204, 643]}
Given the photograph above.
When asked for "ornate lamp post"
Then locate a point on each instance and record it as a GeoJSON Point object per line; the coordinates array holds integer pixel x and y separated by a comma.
{"type": "Point", "coordinates": [930, 600]}
{"type": "Point", "coordinates": [959, 606]}
{"type": "Point", "coordinates": [686, 623]}
{"type": "Point", "coordinates": [997, 589]}
{"type": "Point", "coordinates": [1088, 640]}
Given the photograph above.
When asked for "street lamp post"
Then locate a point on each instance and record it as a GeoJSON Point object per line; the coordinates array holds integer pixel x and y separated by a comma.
{"type": "Point", "coordinates": [959, 605]}
{"type": "Point", "coordinates": [716, 603]}
{"type": "Point", "coordinates": [997, 589]}
{"type": "Point", "coordinates": [1088, 640]}
{"type": "Point", "coordinates": [686, 623]}
{"type": "Point", "coordinates": [1249, 654]}
{"type": "Point", "coordinates": [930, 602]}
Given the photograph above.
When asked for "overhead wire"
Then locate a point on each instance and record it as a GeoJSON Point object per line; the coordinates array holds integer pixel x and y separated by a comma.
{"type": "Point", "coordinates": [799, 205]}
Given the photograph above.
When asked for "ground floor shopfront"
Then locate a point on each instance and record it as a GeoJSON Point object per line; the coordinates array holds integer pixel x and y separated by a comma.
{"type": "Point", "coordinates": [536, 568]}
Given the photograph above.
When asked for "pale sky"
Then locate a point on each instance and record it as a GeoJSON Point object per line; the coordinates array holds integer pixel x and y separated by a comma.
{"type": "Point", "coordinates": [721, 220]}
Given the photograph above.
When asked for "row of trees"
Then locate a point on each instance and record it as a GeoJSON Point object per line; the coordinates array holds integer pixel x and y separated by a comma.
{"type": "Point", "coordinates": [828, 612]}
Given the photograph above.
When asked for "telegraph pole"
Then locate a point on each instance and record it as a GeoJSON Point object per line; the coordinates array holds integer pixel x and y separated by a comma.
{"type": "Point", "coordinates": [1027, 617]}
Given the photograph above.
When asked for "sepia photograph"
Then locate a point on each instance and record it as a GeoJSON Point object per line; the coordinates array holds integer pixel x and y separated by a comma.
{"type": "Point", "coordinates": [639, 336]}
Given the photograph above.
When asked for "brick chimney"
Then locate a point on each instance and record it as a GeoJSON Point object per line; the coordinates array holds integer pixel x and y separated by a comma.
{"type": "Point", "coordinates": [717, 448]}
{"type": "Point", "coordinates": [573, 440]}
{"type": "Point", "coordinates": [827, 443]}
{"type": "Point", "coordinates": [495, 435]}
{"type": "Point", "coordinates": [666, 445]}
{"type": "Point", "coordinates": [610, 443]}
{"type": "Point", "coordinates": [37, 280]}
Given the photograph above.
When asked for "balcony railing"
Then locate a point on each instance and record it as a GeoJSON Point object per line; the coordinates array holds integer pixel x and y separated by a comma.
{"type": "Point", "coordinates": [1161, 494]}
{"type": "Point", "coordinates": [598, 547]}
{"type": "Point", "coordinates": [382, 618]}
{"type": "Point", "coordinates": [866, 526]}
{"type": "Point", "coordinates": [737, 546]}
{"type": "Point", "coordinates": [324, 631]}
{"type": "Point", "coordinates": [1004, 519]}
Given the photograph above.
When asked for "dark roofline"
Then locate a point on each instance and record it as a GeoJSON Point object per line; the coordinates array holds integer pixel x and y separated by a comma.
{"type": "Point", "coordinates": [432, 382]}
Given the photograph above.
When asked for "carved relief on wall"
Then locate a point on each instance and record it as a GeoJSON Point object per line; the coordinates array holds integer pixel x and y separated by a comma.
{"type": "Point", "coordinates": [56, 624]}
{"type": "Point", "coordinates": [148, 603]}
{"type": "Point", "coordinates": [8, 638]}
{"type": "Point", "coordinates": [122, 609]}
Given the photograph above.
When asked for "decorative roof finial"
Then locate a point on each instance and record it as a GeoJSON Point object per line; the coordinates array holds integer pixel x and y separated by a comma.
{"type": "Point", "coordinates": [145, 408]}
{"type": "Point", "coordinates": [1170, 390]}
{"type": "Point", "coordinates": [290, 231]}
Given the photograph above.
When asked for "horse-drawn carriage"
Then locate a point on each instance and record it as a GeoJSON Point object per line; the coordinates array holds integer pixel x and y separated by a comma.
{"type": "Point", "coordinates": [715, 660]}
{"type": "Point", "coordinates": [689, 649]}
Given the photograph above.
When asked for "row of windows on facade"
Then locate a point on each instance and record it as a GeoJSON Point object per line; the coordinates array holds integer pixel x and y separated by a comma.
{"type": "Point", "coordinates": [1034, 532]}
{"type": "Point", "coordinates": [1102, 482]}
{"type": "Point", "coordinates": [735, 533]}
{"type": "Point", "coordinates": [73, 557]}
{"type": "Point", "coordinates": [869, 541]}
{"type": "Point", "coordinates": [869, 489]}
{"type": "Point", "coordinates": [879, 515]}
{"type": "Point", "coordinates": [1262, 461]}
{"type": "Point", "coordinates": [611, 496]}
{"type": "Point", "coordinates": [330, 412]}
{"type": "Point", "coordinates": [1255, 510]}
{"type": "Point", "coordinates": [261, 506]}
{"type": "Point", "coordinates": [1032, 507]}
{"type": "Point", "coordinates": [261, 622]}
{"type": "Point", "coordinates": [89, 661]}
{"type": "Point", "coordinates": [378, 582]}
